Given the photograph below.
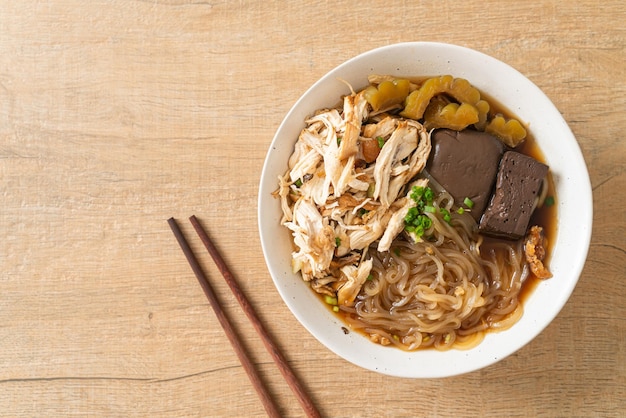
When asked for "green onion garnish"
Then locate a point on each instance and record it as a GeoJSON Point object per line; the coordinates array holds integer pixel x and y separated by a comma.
{"type": "Point", "coordinates": [337, 241]}
{"type": "Point", "coordinates": [415, 221]}
{"type": "Point", "coordinates": [446, 214]}
{"type": "Point", "coordinates": [381, 141]}
{"type": "Point", "coordinates": [468, 202]}
{"type": "Point", "coordinates": [330, 300]}
{"type": "Point", "coordinates": [549, 201]}
{"type": "Point", "coordinates": [417, 193]}
{"type": "Point", "coordinates": [298, 183]}
{"type": "Point", "coordinates": [411, 216]}
{"type": "Point", "coordinates": [425, 221]}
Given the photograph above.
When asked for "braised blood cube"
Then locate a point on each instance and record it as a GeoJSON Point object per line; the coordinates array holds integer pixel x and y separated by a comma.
{"type": "Point", "coordinates": [465, 163]}
{"type": "Point", "coordinates": [518, 185]}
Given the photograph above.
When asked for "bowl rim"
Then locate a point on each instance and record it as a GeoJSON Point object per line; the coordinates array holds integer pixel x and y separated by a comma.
{"type": "Point", "coordinates": [423, 363]}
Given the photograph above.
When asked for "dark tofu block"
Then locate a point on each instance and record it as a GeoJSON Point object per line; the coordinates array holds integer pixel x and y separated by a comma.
{"type": "Point", "coordinates": [517, 187]}
{"type": "Point", "coordinates": [465, 163]}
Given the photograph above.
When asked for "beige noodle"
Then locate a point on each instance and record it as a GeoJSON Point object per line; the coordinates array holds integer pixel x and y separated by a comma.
{"type": "Point", "coordinates": [441, 293]}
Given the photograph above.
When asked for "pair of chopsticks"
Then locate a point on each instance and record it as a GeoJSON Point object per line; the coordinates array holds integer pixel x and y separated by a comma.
{"type": "Point", "coordinates": [283, 366]}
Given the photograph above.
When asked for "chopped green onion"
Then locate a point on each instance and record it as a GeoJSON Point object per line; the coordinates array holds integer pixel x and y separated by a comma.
{"type": "Point", "coordinates": [415, 222]}
{"type": "Point", "coordinates": [549, 201]}
{"type": "Point", "coordinates": [298, 183]}
{"type": "Point", "coordinates": [411, 216]}
{"type": "Point", "coordinates": [446, 214]}
{"type": "Point", "coordinates": [468, 202]}
{"type": "Point", "coordinates": [417, 193]}
{"type": "Point", "coordinates": [330, 300]}
{"type": "Point", "coordinates": [425, 221]}
{"type": "Point", "coordinates": [381, 141]}
{"type": "Point", "coordinates": [337, 241]}
{"type": "Point", "coordinates": [429, 195]}
{"type": "Point", "coordinates": [370, 277]}
{"type": "Point", "coordinates": [370, 189]}
{"type": "Point", "coordinates": [338, 140]}
{"type": "Point", "coordinates": [460, 211]}
{"type": "Point", "coordinates": [335, 308]}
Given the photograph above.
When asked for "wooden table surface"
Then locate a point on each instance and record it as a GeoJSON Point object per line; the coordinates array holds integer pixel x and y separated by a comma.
{"type": "Point", "coordinates": [116, 115]}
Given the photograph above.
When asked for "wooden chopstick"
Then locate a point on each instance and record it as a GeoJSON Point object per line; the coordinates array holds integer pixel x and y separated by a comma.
{"type": "Point", "coordinates": [294, 383]}
{"type": "Point", "coordinates": [259, 386]}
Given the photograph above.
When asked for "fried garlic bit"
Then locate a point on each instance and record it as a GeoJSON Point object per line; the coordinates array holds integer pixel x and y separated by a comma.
{"type": "Point", "coordinates": [536, 252]}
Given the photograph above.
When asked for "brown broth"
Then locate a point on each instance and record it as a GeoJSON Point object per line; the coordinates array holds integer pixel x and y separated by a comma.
{"type": "Point", "coordinates": [545, 216]}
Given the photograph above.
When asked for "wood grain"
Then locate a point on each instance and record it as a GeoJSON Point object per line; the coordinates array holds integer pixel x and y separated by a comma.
{"type": "Point", "coordinates": [229, 331]}
{"type": "Point", "coordinates": [116, 115]}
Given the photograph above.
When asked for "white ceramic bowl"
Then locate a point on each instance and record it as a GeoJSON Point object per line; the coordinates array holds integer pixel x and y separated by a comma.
{"type": "Point", "coordinates": [573, 191]}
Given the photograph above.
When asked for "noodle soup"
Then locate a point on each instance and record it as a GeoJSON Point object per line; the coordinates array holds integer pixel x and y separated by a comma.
{"type": "Point", "coordinates": [568, 233]}
{"type": "Point", "coordinates": [384, 235]}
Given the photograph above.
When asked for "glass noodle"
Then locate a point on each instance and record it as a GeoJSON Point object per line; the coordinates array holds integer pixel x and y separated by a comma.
{"type": "Point", "coordinates": [443, 292]}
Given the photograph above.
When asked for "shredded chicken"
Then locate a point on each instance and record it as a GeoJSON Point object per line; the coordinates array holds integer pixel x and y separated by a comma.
{"type": "Point", "coordinates": [314, 237]}
{"type": "Point", "coordinates": [396, 223]}
{"type": "Point", "coordinates": [355, 277]}
{"type": "Point", "coordinates": [535, 252]}
{"type": "Point", "coordinates": [354, 112]}
{"type": "Point", "coordinates": [337, 204]}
